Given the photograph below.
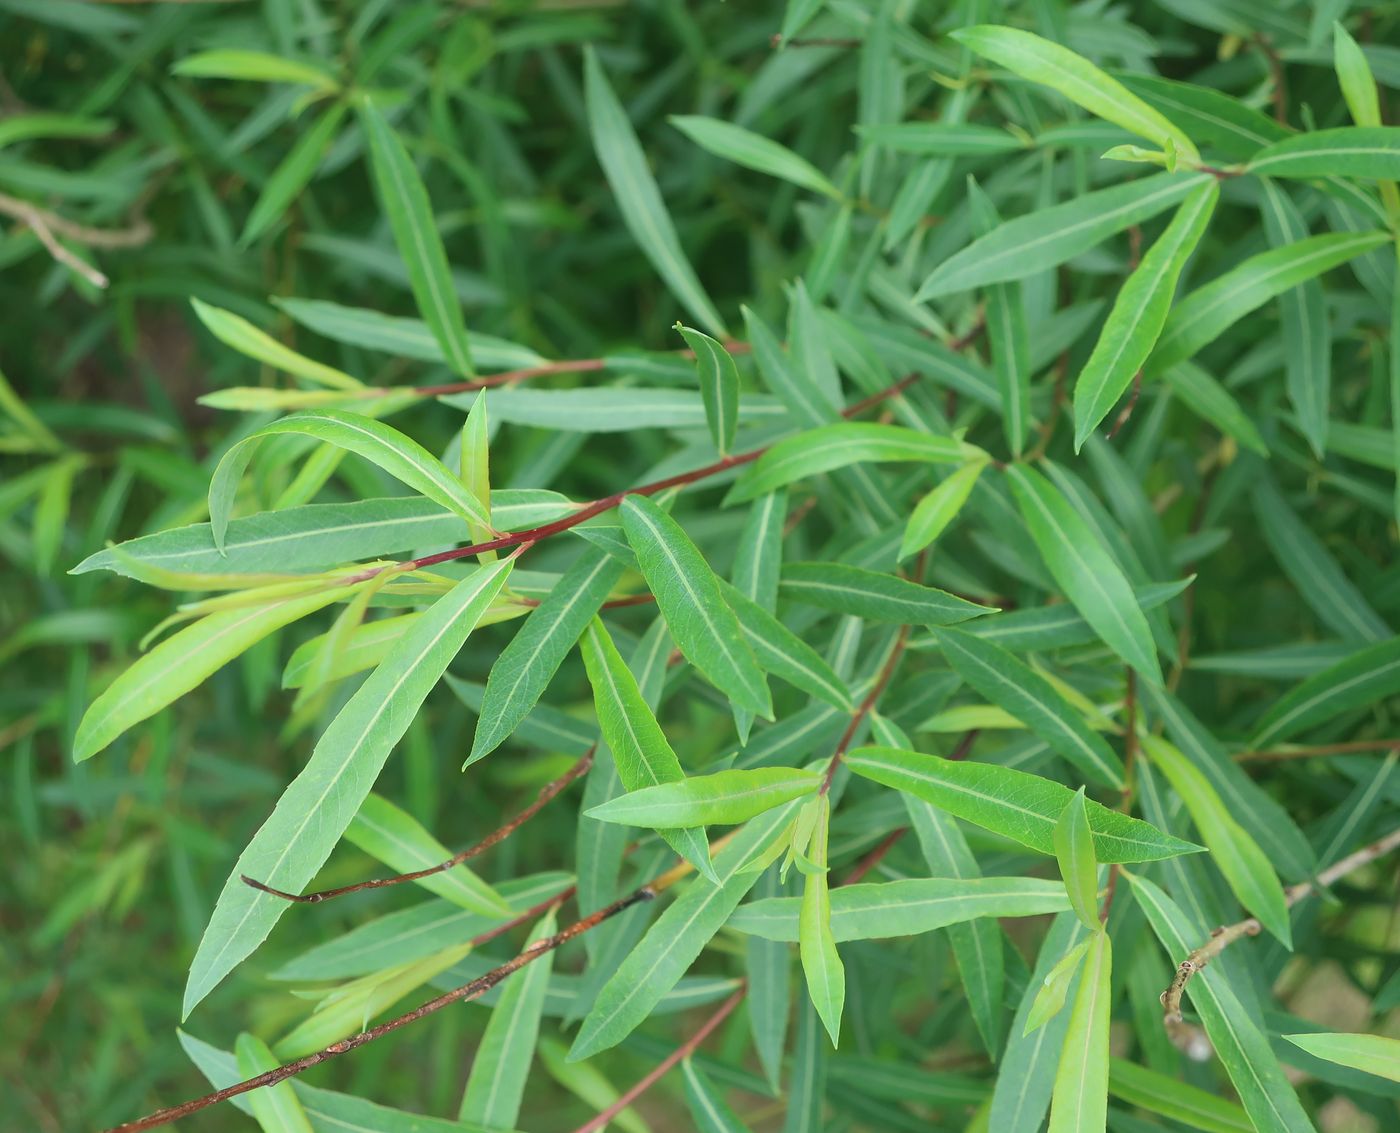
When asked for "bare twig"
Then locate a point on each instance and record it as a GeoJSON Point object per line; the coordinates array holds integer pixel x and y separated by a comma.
{"type": "Point", "coordinates": [49, 226]}
{"type": "Point", "coordinates": [1188, 1039]}
{"type": "Point", "coordinates": [866, 706]}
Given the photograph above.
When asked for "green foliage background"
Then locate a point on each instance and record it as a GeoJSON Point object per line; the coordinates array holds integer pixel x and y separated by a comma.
{"type": "Point", "coordinates": [1267, 470]}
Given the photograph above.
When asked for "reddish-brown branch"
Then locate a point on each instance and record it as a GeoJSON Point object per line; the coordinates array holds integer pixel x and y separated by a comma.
{"type": "Point", "coordinates": [468, 991]}
{"type": "Point", "coordinates": [500, 834]}
{"type": "Point", "coordinates": [866, 706]}
{"type": "Point", "coordinates": [685, 1050]}
{"type": "Point", "coordinates": [876, 856]}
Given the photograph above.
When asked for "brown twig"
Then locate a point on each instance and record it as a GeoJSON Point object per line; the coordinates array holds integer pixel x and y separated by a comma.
{"type": "Point", "coordinates": [1188, 1039]}
{"type": "Point", "coordinates": [468, 991]}
{"type": "Point", "coordinates": [866, 706]}
{"type": "Point", "coordinates": [547, 793]}
{"type": "Point", "coordinates": [876, 856]}
{"type": "Point", "coordinates": [1277, 77]}
{"type": "Point", "coordinates": [49, 226]}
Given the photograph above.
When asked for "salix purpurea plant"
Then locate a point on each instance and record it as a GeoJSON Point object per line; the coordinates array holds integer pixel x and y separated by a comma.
{"type": "Point", "coordinates": [892, 650]}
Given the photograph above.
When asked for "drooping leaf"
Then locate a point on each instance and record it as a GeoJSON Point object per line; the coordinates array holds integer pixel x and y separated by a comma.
{"type": "Point", "coordinates": [753, 151]}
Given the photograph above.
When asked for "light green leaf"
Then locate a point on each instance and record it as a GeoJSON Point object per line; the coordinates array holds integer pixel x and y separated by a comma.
{"type": "Point", "coordinates": [644, 759]}
{"type": "Point", "coordinates": [1264, 1090]}
{"type": "Point", "coordinates": [22, 126]}
{"type": "Point", "coordinates": [1367, 677]}
{"type": "Point", "coordinates": [933, 513]}
{"type": "Point", "coordinates": [1054, 989]}
{"type": "Point", "coordinates": [1080, 1101]}
{"type": "Point", "coordinates": [836, 446]}
{"type": "Point", "coordinates": [941, 139]}
{"type": "Point", "coordinates": [1048, 237]}
{"type": "Point", "coordinates": [1077, 79]}
{"type": "Point", "coordinates": [524, 668]}
{"type": "Point", "coordinates": [1013, 685]}
{"type": "Point", "coordinates": [874, 911]}
{"type": "Point", "coordinates": [782, 653]}
{"type": "Point", "coordinates": [410, 214]}
{"type": "Point", "coordinates": [1074, 849]}
{"type": "Point", "coordinates": [821, 963]}
{"type": "Point", "coordinates": [719, 385]}
{"type": "Point", "coordinates": [474, 464]}
{"type": "Point", "coordinates": [688, 594]}
{"type": "Point", "coordinates": [1084, 570]}
{"type": "Point", "coordinates": [237, 332]}
{"type": "Point", "coordinates": [501, 1064]}
{"type": "Point", "coordinates": [708, 1108]}
{"type": "Point", "coordinates": [638, 199]}
{"type": "Point", "coordinates": [879, 597]}
{"type": "Point", "coordinates": [753, 151]}
{"type": "Point", "coordinates": [397, 839]}
{"type": "Point", "coordinates": [1015, 804]}
{"type": "Point", "coordinates": [314, 811]}
{"type": "Point", "coordinates": [612, 409]}
{"type": "Point", "coordinates": [1139, 313]}
{"type": "Point", "coordinates": [1373, 1054]}
{"type": "Point", "coordinates": [396, 453]}
{"type": "Point", "coordinates": [184, 660]}
{"type": "Point", "coordinates": [276, 1109]}
{"type": "Point", "coordinates": [588, 1084]}
{"type": "Point", "coordinates": [679, 935]}
{"type": "Point", "coordinates": [1347, 151]}
{"type": "Point", "coordinates": [253, 66]}
{"type": "Point", "coordinates": [1174, 1099]}
{"type": "Point", "coordinates": [720, 798]}
{"type": "Point", "coordinates": [1205, 313]}
{"type": "Point", "coordinates": [1355, 78]}
{"type": "Point", "coordinates": [1207, 398]}
{"type": "Point", "coordinates": [293, 174]}
{"type": "Point", "coordinates": [1209, 115]}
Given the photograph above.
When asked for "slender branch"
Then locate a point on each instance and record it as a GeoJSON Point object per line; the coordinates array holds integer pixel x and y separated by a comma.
{"type": "Point", "coordinates": [685, 1050]}
{"type": "Point", "coordinates": [1276, 77]}
{"type": "Point", "coordinates": [866, 706]}
{"type": "Point", "coordinates": [876, 856]}
{"type": "Point", "coordinates": [468, 991]}
{"type": "Point", "coordinates": [547, 793]}
{"type": "Point", "coordinates": [1188, 1039]}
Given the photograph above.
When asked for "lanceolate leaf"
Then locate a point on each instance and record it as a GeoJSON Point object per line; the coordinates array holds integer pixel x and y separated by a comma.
{"type": "Point", "coordinates": [237, 332]}
{"type": "Point", "coordinates": [1009, 682]}
{"type": "Point", "coordinates": [1138, 314]}
{"type": "Point", "coordinates": [1374, 1054]}
{"type": "Point", "coordinates": [879, 597]}
{"type": "Point", "coordinates": [639, 747]}
{"type": "Point", "coordinates": [835, 446]}
{"type": "Point", "coordinates": [1052, 991]}
{"type": "Point", "coordinates": [1084, 570]}
{"type": "Point", "coordinates": [277, 1109]}
{"type": "Point", "coordinates": [1080, 1100]}
{"type": "Point", "coordinates": [315, 810]}
{"type": "Point", "coordinates": [708, 1109]}
{"type": "Point", "coordinates": [293, 175]}
{"type": "Point", "coordinates": [1367, 677]}
{"type": "Point", "coordinates": [782, 653]}
{"type": "Point", "coordinates": [399, 455]}
{"type": "Point", "coordinates": [638, 199]}
{"type": "Point", "coordinates": [719, 385]}
{"type": "Point", "coordinates": [525, 667]}
{"type": "Point", "coordinates": [1012, 803]}
{"type": "Point", "coordinates": [1171, 1098]}
{"type": "Point", "coordinates": [726, 797]}
{"type": "Point", "coordinates": [1347, 151]}
{"type": "Point", "coordinates": [939, 508]}
{"type": "Point", "coordinates": [688, 593]}
{"type": "Point", "coordinates": [1074, 849]}
{"type": "Point", "coordinates": [410, 215]}
{"type": "Point", "coordinates": [744, 147]}
{"type": "Point", "coordinates": [821, 963]}
{"type": "Point", "coordinates": [871, 911]}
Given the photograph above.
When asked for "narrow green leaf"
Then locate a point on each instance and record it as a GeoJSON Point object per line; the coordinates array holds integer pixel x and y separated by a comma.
{"type": "Point", "coordinates": [501, 1065]}
{"type": "Point", "coordinates": [1080, 1101]}
{"type": "Point", "coordinates": [524, 668]}
{"type": "Point", "coordinates": [644, 759]}
{"type": "Point", "coordinates": [237, 332]}
{"type": "Point", "coordinates": [836, 446]}
{"type": "Point", "coordinates": [253, 66]}
{"type": "Point", "coordinates": [1208, 399]}
{"type": "Point", "coordinates": [293, 174]}
{"type": "Point", "coordinates": [1208, 115]}
{"type": "Point", "coordinates": [1015, 804]}
{"type": "Point", "coordinates": [933, 513]}
{"type": "Point", "coordinates": [688, 594]}
{"type": "Point", "coordinates": [753, 151]}
{"type": "Point", "coordinates": [1054, 988]}
{"type": "Point", "coordinates": [809, 404]}
{"type": "Point", "coordinates": [873, 911]}
{"type": "Point", "coordinates": [1010, 683]}
{"type": "Point", "coordinates": [1139, 313]}
{"type": "Point", "coordinates": [782, 653]}
{"type": "Point", "coordinates": [1264, 1090]}
{"type": "Point", "coordinates": [314, 811]}
{"type": "Point", "coordinates": [474, 464]}
{"type": "Point", "coordinates": [1174, 1099]}
{"type": "Point", "coordinates": [1374, 1054]}
{"type": "Point", "coordinates": [679, 935]}
{"type": "Point", "coordinates": [941, 139]}
{"type": "Point", "coordinates": [184, 660]}
{"type": "Point", "coordinates": [277, 1109]}
{"type": "Point", "coordinates": [708, 1108]}
{"type": "Point", "coordinates": [1048, 237]}
{"type": "Point", "coordinates": [410, 214]}
{"type": "Point", "coordinates": [1074, 849]}
{"type": "Point", "coordinates": [1347, 151]}
{"type": "Point", "coordinates": [1084, 570]}
{"type": "Point", "coordinates": [638, 199]}
{"type": "Point", "coordinates": [396, 453]}
{"type": "Point", "coordinates": [22, 127]}
{"type": "Point", "coordinates": [1038, 628]}
{"type": "Point", "coordinates": [720, 798]}
{"type": "Point", "coordinates": [1246, 867]}
{"type": "Point", "coordinates": [879, 597]}
{"type": "Point", "coordinates": [1205, 313]}
{"type": "Point", "coordinates": [719, 385]}
{"type": "Point", "coordinates": [1367, 677]}
{"type": "Point", "coordinates": [821, 963]}
{"type": "Point", "coordinates": [1084, 84]}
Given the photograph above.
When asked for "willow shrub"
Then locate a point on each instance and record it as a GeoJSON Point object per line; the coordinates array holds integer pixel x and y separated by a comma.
{"type": "Point", "coordinates": [965, 628]}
